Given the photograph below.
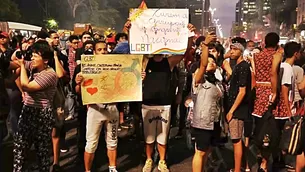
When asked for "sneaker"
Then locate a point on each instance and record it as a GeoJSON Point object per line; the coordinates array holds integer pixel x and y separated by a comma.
{"type": "Point", "coordinates": [70, 117]}
{"type": "Point", "coordinates": [125, 125]}
{"type": "Point", "coordinates": [56, 168]}
{"type": "Point", "coordinates": [64, 149]}
{"type": "Point", "coordinates": [112, 170]}
{"type": "Point", "coordinates": [162, 167]}
{"type": "Point", "coordinates": [289, 168]}
{"type": "Point", "coordinates": [148, 167]}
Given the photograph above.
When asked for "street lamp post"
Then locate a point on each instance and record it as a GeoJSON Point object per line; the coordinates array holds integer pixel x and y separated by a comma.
{"type": "Point", "coordinates": [212, 11]}
{"type": "Point", "coordinates": [216, 21]}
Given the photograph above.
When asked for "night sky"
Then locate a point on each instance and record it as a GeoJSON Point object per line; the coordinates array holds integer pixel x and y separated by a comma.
{"type": "Point", "coordinates": [225, 12]}
{"type": "Point", "coordinates": [31, 13]}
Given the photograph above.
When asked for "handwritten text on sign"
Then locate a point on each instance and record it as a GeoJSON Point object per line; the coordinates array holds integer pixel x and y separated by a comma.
{"type": "Point", "coordinates": [159, 31]}
{"type": "Point", "coordinates": [111, 78]}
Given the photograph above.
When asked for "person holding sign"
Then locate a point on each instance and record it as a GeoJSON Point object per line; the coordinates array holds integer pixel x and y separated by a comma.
{"type": "Point", "coordinates": [157, 104]}
{"type": "Point", "coordinates": [99, 115]}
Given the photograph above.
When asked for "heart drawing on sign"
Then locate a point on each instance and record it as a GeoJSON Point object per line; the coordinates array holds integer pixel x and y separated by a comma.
{"type": "Point", "coordinates": [92, 90]}
{"type": "Point", "coordinates": [87, 82]}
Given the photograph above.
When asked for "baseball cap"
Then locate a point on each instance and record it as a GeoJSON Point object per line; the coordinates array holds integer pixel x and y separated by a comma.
{"type": "Point", "coordinates": [4, 35]}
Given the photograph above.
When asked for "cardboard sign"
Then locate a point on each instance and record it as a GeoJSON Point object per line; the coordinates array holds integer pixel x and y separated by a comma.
{"type": "Point", "coordinates": [158, 31]}
{"type": "Point", "coordinates": [111, 78]}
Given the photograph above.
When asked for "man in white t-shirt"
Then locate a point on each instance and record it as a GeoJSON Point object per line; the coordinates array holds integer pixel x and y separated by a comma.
{"type": "Point", "coordinates": [292, 53]}
{"type": "Point", "coordinates": [298, 73]}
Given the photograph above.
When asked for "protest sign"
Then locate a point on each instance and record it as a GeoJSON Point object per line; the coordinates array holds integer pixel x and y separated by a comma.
{"type": "Point", "coordinates": [111, 78]}
{"type": "Point", "coordinates": [158, 31]}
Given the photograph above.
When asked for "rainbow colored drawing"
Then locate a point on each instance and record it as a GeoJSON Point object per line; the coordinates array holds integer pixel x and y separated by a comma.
{"type": "Point", "coordinates": [169, 51]}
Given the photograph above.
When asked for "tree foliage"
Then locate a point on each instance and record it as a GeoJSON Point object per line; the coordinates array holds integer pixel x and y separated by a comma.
{"type": "Point", "coordinates": [9, 11]}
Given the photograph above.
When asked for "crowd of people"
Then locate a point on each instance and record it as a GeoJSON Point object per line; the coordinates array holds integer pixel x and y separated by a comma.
{"type": "Point", "coordinates": [222, 91]}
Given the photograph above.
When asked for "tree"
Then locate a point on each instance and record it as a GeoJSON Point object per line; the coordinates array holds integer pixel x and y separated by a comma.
{"type": "Point", "coordinates": [74, 5]}
{"type": "Point", "coordinates": [166, 3]}
{"type": "Point", "coordinates": [101, 14]}
{"type": "Point", "coordinates": [44, 5]}
{"type": "Point", "coordinates": [9, 10]}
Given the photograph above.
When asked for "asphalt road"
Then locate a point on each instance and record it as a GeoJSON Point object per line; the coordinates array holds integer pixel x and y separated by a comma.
{"type": "Point", "coordinates": [131, 156]}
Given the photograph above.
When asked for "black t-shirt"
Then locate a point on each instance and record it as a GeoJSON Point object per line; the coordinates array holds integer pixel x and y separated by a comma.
{"type": "Point", "coordinates": [4, 99]}
{"type": "Point", "coordinates": [5, 58]}
{"type": "Point", "coordinates": [79, 96]}
{"type": "Point", "coordinates": [157, 84]}
{"type": "Point", "coordinates": [241, 77]}
{"type": "Point", "coordinates": [79, 53]}
{"type": "Point", "coordinates": [64, 59]}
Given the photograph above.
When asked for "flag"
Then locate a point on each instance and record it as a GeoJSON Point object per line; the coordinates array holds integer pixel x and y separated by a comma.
{"type": "Point", "coordinates": [143, 5]}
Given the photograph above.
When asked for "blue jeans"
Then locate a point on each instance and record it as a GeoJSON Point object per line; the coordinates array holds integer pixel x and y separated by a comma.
{"type": "Point", "coordinates": [70, 102]}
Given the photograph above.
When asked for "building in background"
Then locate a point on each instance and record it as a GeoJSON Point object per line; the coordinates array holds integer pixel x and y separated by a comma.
{"type": "Point", "coordinates": [301, 21]}
{"type": "Point", "coordinates": [206, 18]}
{"type": "Point", "coordinates": [198, 17]}
{"type": "Point", "coordinates": [301, 12]}
{"type": "Point", "coordinates": [239, 13]}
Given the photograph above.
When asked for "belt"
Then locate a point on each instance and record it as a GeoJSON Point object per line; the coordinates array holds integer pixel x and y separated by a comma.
{"type": "Point", "coordinates": [264, 84]}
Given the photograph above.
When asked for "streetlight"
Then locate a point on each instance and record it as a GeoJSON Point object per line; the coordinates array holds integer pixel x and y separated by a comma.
{"type": "Point", "coordinates": [212, 10]}
{"type": "Point", "coordinates": [216, 21]}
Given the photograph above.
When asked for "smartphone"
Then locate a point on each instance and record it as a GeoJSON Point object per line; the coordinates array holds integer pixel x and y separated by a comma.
{"type": "Point", "coordinates": [212, 29]}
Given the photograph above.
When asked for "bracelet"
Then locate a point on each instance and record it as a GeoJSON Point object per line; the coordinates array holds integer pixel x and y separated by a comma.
{"type": "Point", "coordinates": [205, 44]}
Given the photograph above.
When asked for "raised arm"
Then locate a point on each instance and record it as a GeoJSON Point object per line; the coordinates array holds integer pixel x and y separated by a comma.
{"type": "Point", "coordinates": [175, 59]}
{"type": "Point", "coordinates": [204, 58]}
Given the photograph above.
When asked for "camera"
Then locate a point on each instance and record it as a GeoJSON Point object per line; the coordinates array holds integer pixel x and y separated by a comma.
{"type": "Point", "coordinates": [89, 52]}
{"type": "Point", "coordinates": [27, 54]}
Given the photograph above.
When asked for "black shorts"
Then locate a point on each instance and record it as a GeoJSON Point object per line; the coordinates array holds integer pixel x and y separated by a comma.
{"type": "Point", "coordinates": [205, 139]}
{"type": "Point", "coordinates": [248, 127]}
{"type": "Point", "coordinates": [302, 139]}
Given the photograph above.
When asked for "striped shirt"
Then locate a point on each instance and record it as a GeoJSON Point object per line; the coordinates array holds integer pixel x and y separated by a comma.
{"type": "Point", "coordinates": [47, 79]}
{"type": "Point", "coordinates": [71, 61]}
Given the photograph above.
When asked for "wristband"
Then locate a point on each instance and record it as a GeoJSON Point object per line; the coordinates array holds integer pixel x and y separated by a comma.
{"type": "Point", "coordinates": [205, 44]}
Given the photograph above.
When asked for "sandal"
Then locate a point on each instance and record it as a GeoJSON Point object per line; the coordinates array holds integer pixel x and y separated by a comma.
{"type": "Point", "coordinates": [262, 169]}
{"type": "Point", "coordinates": [246, 169]}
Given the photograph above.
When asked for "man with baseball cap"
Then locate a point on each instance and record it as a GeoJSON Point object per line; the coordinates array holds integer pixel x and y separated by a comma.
{"type": "Point", "coordinates": [238, 101]}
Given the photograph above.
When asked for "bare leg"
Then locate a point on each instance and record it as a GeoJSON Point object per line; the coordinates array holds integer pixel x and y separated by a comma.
{"type": "Point", "coordinates": [121, 117]}
{"type": "Point", "coordinates": [198, 160]}
{"type": "Point", "coordinates": [300, 162]}
{"type": "Point", "coordinates": [88, 158]}
{"type": "Point", "coordinates": [238, 153]}
{"type": "Point", "coordinates": [247, 139]}
{"type": "Point", "coordinates": [112, 157]}
{"type": "Point", "coordinates": [55, 141]}
{"type": "Point", "coordinates": [162, 151]}
{"type": "Point", "coordinates": [149, 150]}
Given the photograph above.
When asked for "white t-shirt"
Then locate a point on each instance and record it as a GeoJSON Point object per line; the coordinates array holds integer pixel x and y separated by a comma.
{"type": "Point", "coordinates": [288, 79]}
{"type": "Point", "coordinates": [218, 74]}
{"type": "Point", "coordinates": [298, 75]}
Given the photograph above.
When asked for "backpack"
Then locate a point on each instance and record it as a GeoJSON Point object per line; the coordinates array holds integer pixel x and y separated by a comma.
{"type": "Point", "coordinates": [291, 138]}
{"type": "Point", "coordinates": [269, 134]}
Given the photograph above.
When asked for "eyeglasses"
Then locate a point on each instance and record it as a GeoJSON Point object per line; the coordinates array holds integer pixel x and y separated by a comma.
{"type": "Point", "coordinates": [74, 42]}
{"type": "Point", "coordinates": [86, 37]}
